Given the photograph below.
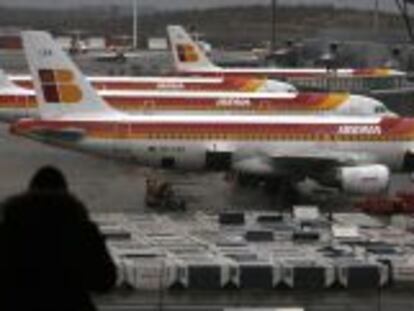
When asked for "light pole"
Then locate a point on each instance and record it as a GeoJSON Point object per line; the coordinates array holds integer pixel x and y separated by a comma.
{"type": "Point", "coordinates": [273, 38]}
{"type": "Point", "coordinates": [375, 23]}
{"type": "Point", "coordinates": [135, 24]}
{"type": "Point", "coordinates": [403, 7]}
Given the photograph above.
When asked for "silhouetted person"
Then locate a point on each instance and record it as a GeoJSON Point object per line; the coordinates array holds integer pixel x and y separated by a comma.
{"type": "Point", "coordinates": [51, 255]}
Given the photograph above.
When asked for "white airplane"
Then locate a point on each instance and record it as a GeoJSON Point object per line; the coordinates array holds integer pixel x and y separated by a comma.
{"type": "Point", "coordinates": [17, 102]}
{"type": "Point", "coordinates": [352, 153]}
{"type": "Point", "coordinates": [165, 84]}
{"type": "Point", "coordinates": [189, 58]}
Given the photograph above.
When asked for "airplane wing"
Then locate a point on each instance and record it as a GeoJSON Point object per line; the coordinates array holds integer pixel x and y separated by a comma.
{"type": "Point", "coordinates": [306, 163]}
{"type": "Point", "coordinates": [324, 156]}
{"type": "Point", "coordinates": [351, 171]}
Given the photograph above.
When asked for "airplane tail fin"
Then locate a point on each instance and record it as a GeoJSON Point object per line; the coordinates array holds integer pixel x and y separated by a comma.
{"type": "Point", "coordinates": [61, 89]}
{"type": "Point", "coordinates": [188, 56]}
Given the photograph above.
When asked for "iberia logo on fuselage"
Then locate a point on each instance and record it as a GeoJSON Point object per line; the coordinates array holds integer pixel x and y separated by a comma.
{"type": "Point", "coordinates": [359, 129]}
{"type": "Point", "coordinates": [187, 53]}
{"type": "Point", "coordinates": [59, 86]}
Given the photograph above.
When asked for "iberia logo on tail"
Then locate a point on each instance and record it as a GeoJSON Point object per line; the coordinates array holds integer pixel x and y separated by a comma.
{"type": "Point", "coordinates": [59, 86]}
{"type": "Point", "coordinates": [187, 53]}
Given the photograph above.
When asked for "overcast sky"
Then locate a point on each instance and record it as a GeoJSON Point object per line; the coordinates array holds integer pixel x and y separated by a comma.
{"type": "Point", "coordinates": [171, 4]}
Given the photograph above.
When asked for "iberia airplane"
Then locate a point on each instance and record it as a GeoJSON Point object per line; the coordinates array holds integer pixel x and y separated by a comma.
{"type": "Point", "coordinates": [165, 84]}
{"type": "Point", "coordinates": [353, 153]}
{"type": "Point", "coordinates": [189, 58]}
{"type": "Point", "coordinates": [17, 102]}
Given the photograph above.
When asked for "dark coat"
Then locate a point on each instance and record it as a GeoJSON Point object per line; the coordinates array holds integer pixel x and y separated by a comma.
{"type": "Point", "coordinates": [51, 255]}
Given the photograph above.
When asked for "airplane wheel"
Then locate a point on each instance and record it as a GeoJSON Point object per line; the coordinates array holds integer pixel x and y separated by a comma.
{"type": "Point", "coordinates": [244, 180]}
{"type": "Point", "coordinates": [290, 195]}
{"type": "Point", "coordinates": [285, 192]}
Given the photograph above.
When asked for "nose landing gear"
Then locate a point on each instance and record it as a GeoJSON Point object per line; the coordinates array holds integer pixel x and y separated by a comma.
{"type": "Point", "coordinates": [408, 162]}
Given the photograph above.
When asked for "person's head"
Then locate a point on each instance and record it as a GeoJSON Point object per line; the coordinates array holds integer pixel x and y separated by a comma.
{"type": "Point", "coordinates": [48, 178]}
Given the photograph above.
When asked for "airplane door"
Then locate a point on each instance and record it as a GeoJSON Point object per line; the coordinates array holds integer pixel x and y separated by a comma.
{"type": "Point", "coordinates": [218, 161]}
{"type": "Point", "coordinates": [408, 162]}
{"type": "Point", "coordinates": [122, 146]}
{"type": "Point", "coordinates": [218, 158]}
{"type": "Point", "coordinates": [168, 162]}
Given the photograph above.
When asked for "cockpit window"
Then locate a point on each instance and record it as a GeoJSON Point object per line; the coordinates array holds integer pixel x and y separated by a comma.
{"type": "Point", "coordinates": [380, 109]}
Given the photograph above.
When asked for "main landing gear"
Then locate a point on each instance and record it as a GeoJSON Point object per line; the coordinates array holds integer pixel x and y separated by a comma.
{"type": "Point", "coordinates": [283, 189]}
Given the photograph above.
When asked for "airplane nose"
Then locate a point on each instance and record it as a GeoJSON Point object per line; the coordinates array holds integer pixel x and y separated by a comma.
{"type": "Point", "coordinates": [388, 114]}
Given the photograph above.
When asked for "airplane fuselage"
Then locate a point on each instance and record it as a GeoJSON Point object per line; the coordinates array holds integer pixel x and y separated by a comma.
{"type": "Point", "coordinates": [242, 84]}
{"type": "Point", "coordinates": [16, 106]}
{"type": "Point", "coordinates": [296, 72]}
{"type": "Point", "coordinates": [194, 145]}
{"type": "Point", "coordinates": [352, 80]}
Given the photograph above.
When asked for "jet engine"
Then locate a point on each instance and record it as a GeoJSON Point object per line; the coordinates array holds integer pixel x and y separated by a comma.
{"type": "Point", "coordinates": [368, 179]}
